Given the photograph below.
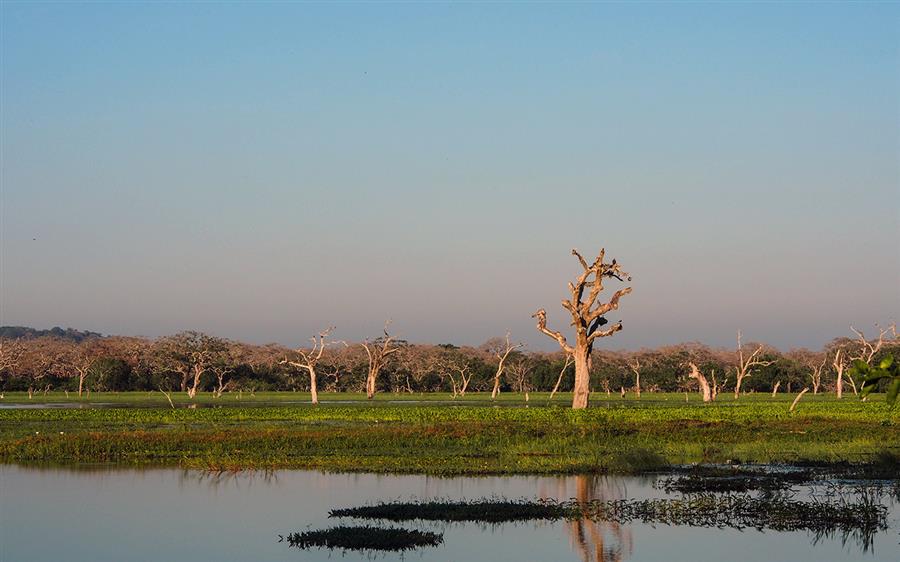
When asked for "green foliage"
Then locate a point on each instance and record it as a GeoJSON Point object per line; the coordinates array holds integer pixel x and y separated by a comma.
{"type": "Point", "coordinates": [888, 370]}
{"type": "Point", "coordinates": [444, 437]}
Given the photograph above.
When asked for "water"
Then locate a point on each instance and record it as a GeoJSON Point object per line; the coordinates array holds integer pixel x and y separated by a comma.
{"type": "Point", "coordinates": [168, 514]}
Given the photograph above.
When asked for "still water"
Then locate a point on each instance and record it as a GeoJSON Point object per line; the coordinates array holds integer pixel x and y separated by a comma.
{"type": "Point", "coordinates": [165, 514]}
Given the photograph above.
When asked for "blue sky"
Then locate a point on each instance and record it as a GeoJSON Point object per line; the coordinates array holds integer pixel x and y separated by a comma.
{"type": "Point", "coordinates": [261, 171]}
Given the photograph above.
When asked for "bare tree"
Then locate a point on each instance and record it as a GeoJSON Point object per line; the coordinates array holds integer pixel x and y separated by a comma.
{"type": "Point", "coordinates": [310, 358]}
{"type": "Point", "coordinates": [11, 354]}
{"type": "Point", "coordinates": [518, 370]}
{"type": "Point", "coordinates": [716, 386]}
{"type": "Point", "coordinates": [190, 354]}
{"type": "Point", "coordinates": [817, 368]}
{"type": "Point", "coordinates": [378, 352]}
{"type": "Point", "coordinates": [500, 348]}
{"type": "Point", "coordinates": [587, 317]}
{"type": "Point", "coordinates": [867, 350]}
{"type": "Point", "coordinates": [745, 365]}
{"type": "Point", "coordinates": [705, 389]}
{"type": "Point", "coordinates": [569, 361]}
{"type": "Point", "coordinates": [634, 364]}
{"type": "Point", "coordinates": [839, 362]}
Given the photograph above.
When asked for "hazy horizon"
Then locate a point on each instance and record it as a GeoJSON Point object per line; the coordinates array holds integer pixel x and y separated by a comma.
{"type": "Point", "coordinates": [260, 172]}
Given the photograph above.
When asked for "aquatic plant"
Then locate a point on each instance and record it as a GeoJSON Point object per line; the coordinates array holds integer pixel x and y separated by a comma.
{"type": "Point", "coordinates": [364, 538]}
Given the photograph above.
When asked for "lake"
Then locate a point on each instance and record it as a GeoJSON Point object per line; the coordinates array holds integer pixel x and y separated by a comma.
{"type": "Point", "coordinates": [109, 514]}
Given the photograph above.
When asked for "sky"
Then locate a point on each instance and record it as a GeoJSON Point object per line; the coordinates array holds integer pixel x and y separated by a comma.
{"type": "Point", "coordinates": [263, 171]}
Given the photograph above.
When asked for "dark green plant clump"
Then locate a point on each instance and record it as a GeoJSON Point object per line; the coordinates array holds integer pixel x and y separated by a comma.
{"type": "Point", "coordinates": [481, 511]}
{"type": "Point", "coordinates": [365, 538]}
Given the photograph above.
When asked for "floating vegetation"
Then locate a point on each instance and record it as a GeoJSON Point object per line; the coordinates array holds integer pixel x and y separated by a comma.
{"type": "Point", "coordinates": [364, 538]}
{"type": "Point", "coordinates": [733, 479]}
{"type": "Point", "coordinates": [481, 511]}
{"type": "Point", "coordinates": [858, 518]}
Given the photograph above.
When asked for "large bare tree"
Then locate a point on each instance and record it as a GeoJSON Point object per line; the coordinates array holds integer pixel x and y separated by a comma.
{"type": "Point", "coordinates": [746, 363]}
{"type": "Point", "coordinates": [378, 352]}
{"type": "Point", "coordinates": [587, 317]}
{"type": "Point", "coordinates": [309, 358]}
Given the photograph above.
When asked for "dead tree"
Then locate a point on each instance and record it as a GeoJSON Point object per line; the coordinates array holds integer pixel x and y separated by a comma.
{"type": "Point", "coordinates": [587, 317]}
{"type": "Point", "coordinates": [815, 376]}
{"type": "Point", "coordinates": [310, 358]}
{"type": "Point", "coordinates": [745, 365]}
{"type": "Point", "coordinates": [378, 352]}
{"type": "Point", "coordinates": [716, 386]}
{"type": "Point", "coordinates": [705, 389]}
{"type": "Point", "coordinates": [569, 360]}
{"type": "Point", "coordinates": [868, 349]}
{"type": "Point", "coordinates": [501, 350]}
{"type": "Point", "coordinates": [797, 399]}
{"type": "Point", "coordinates": [518, 371]}
{"type": "Point", "coordinates": [635, 366]}
{"type": "Point", "coordinates": [840, 363]}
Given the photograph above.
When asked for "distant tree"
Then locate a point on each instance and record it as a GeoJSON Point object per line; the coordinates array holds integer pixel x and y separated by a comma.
{"type": "Point", "coordinates": [587, 317]}
{"type": "Point", "coordinates": [500, 348]}
{"type": "Point", "coordinates": [190, 354]}
{"type": "Point", "coordinates": [309, 359]}
{"type": "Point", "coordinates": [814, 362]}
{"type": "Point", "coordinates": [746, 363]}
{"type": "Point", "coordinates": [378, 352]}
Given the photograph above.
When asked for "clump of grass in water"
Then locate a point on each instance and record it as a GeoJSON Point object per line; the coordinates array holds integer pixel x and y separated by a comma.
{"type": "Point", "coordinates": [636, 461]}
{"type": "Point", "coordinates": [859, 519]}
{"type": "Point", "coordinates": [724, 479]}
{"type": "Point", "coordinates": [481, 511]}
{"type": "Point", "coordinates": [365, 538]}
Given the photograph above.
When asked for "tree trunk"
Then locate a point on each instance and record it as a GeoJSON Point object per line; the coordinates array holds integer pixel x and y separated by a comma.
{"type": "Point", "coordinates": [496, 390]}
{"type": "Point", "coordinates": [312, 387]}
{"type": "Point", "coordinates": [80, 384]}
{"type": "Point", "coordinates": [370, 385]}
{"type": "Point", "coordinates": [839, 389]}
{"type": "Point", "coordinates": [192, 392]}
{"type": "Point", "coordinates": [704, 384]}
{"type": "Point", "coordinates": [582, 387]}
{"type": "Point", "coordinates": [775, 390]}
{"type": "Point", "coordinates": [637, 385]}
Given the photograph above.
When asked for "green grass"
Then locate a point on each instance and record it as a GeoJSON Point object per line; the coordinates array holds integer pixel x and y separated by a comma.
{"type": "Point", "coordinates": [433, 434]}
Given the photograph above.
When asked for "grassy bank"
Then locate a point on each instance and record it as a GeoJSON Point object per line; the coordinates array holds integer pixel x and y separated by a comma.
{"type": "Point", "coordinates": [426, 435]}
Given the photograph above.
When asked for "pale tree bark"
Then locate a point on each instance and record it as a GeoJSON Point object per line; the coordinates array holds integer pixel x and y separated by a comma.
{"type": "Point", "coordinates": [309, 359]}
{"type": "Point", "coordinates": [378, 352]}
{"type": "Point", "coordinates": [501, 351]}
{"type": "Point", "coordinates": [519, 370]}
{"type": "Point", "coordinates": [816, 373]}
{"type": "Point", "coordinates": [775, 389]}
{"type": "Point", "coordinates": [587, 317]}
{"type": "Point", "coordinates": [745, 365]}
{"type": "Point", "coordinates": [569, 361]}
{"type": "Point", "coordinates": [705, 389]}
{"type": "Point", "coordinates": [635, 366]}
{"type": "Point", "coordinates": [840, 363]}
{"type": "Point", "coordinates": [868, 349]}
{"type": "Point", "coordinates": [797, 399]}
{"type": "Point", "coordinates": [716, 386]}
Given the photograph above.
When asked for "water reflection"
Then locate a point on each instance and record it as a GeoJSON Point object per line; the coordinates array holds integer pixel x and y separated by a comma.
{"type": "Point", "coordinates": [165, 514]}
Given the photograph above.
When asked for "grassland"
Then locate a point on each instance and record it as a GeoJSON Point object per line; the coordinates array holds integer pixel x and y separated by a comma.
{"type": "Point", "coordinates": [436, 435]}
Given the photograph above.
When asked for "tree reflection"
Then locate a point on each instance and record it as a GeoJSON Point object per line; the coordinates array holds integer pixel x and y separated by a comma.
{"type": "Point", "coordinates": [596, 541]}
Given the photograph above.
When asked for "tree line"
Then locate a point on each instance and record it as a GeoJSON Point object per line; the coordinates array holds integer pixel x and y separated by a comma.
{"type": "Point", "coordinates": [194, 362]}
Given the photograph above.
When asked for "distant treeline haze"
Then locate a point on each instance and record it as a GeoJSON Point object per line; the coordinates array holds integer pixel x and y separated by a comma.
{"type": "Point", "coordinates": [193, 362]}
